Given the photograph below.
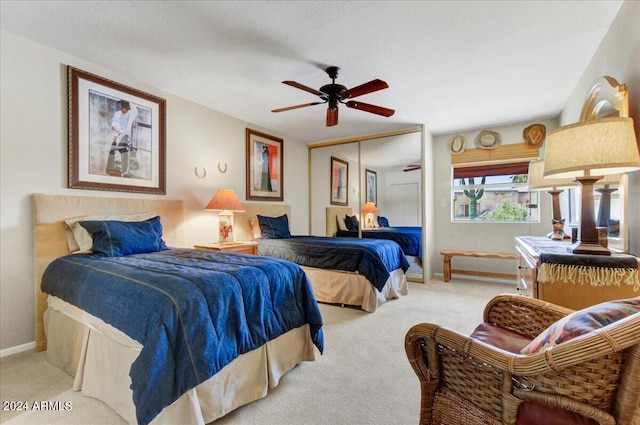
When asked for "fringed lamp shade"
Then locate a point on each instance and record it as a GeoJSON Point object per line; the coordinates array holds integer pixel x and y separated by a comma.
{"type": "Point", "coordinates": [227, 203]}
{"type": "Point", "coordinates": [587, 151]}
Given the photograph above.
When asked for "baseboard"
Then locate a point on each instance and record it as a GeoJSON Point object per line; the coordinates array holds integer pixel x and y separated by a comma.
{"type": "Point", "coordinates": [17, 349]}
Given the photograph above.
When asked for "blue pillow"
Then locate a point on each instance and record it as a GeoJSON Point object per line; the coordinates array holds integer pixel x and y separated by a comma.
{"type": "Point", "coordinates": [118, 238]}
{"type": "Point", "coordinates": [274, 227]}
{"type": "Point", "coordinates": [351, 222]}
{"type": "Point", "coordinates": [383, 222]}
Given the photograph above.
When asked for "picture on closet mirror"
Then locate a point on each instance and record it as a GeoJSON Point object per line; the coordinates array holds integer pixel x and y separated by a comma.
{"type": "Point", "coordinates": [339, 182]}
{"type": "Point", "coordinates": [371, 186]}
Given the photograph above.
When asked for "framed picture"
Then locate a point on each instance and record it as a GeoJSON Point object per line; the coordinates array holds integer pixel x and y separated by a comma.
{"type": "Point", "coordinates": [339, 182]}
{"type": "Point", "coordinates": [371, 186]}
{"type": "Point", "coordinates": [116, 136]}
{"type": "Point", "coordinates": [265, 167]}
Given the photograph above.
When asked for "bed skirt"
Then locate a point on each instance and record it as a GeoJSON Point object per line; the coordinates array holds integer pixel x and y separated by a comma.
{"type": "Point", "coordinates": [100, 357]}
{"type": "Point", "coordinates": [339, 287]}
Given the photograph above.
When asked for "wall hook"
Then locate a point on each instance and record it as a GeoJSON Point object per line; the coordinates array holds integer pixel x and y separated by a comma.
{"type": "Point", "coordinates": [221, 169]}
{"type": "Point", "coordinates": [204, 173]}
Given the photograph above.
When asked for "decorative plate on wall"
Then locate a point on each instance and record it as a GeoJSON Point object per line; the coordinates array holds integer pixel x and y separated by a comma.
{"type": "Point", "coordinates": [487, 139]}
{"type": "Point", "coordinates": [534, 135]}
{"type": "Point", "coordinates": [456, 144]}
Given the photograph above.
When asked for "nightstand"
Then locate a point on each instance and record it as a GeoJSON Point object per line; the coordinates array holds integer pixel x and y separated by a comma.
{"type": "Point", "coordinates": [243, 247]}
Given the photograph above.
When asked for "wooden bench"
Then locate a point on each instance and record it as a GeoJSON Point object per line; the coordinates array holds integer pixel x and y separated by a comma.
{"type": "Point", "coordinates": [447, 255]}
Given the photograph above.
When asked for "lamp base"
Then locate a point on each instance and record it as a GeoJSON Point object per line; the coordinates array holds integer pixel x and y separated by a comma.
{"type": "Point", "coordinates": [225, 231]}
{"type": "Point", "coordinates": [588, 249]}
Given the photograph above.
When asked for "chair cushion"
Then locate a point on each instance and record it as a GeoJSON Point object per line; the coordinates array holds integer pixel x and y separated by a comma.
{"type": "Point", "coordinates": [582, 322]}
{"type": "Point", "coordinates": [500, 337]}
{"type": "Point", "coordinates": [532, 413]}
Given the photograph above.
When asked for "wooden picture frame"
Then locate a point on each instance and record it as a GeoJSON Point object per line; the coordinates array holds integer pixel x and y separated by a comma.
{"type": "Point", "coordinates": [371, 186]}
{"type": "Point", "coordinates": [339, 182]}
{"type": "Point", "coordinates": [116, 136]}
{"type": "Point", "coordinates": [265, 167]}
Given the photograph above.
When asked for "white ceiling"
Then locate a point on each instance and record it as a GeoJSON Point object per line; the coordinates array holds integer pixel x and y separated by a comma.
{"type": "Point", "coordinates": [450, 65]}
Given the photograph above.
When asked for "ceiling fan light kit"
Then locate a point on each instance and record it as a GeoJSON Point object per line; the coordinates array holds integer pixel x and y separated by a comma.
{"type": "Point", "coordinates": [334, 94]}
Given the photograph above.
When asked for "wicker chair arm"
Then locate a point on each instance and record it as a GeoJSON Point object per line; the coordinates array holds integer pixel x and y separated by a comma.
{"type": "Point", "coordinates": [583, 409]}
{"type": "Point", "coordinates": [524, 315]}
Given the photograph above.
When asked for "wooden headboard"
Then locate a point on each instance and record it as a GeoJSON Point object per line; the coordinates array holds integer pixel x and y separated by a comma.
{"type": "Point", "coordinates": [332, 213]}
{"type": "Point", "coordinates": [242, 228]}
{"type": "Point", "coordinates": [50, 241]}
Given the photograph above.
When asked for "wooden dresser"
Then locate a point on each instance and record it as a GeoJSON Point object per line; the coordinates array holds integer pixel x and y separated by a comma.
{"type": "Point", "coordinates": [548, 272]}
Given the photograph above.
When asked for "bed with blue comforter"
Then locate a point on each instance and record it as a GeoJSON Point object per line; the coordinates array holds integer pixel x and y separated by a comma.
{"type": "Point", "coordinates": [408, 237]}
{"type": "Point", "coordinates": [375, 260]}
{"type": "Point", "coordinates": [193, 311]}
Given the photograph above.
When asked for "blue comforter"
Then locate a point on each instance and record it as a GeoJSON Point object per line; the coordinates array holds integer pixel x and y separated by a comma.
{"type": "Point", "coordinates": [193, 311]}
{"type": "Point", "coordinates": [408, 237]}
{"type": "Point", "coordinates": [375, 260]}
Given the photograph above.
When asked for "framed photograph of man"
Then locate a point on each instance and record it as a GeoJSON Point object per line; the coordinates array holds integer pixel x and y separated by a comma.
{"type": "Point", "coordinates": [116, 136]}
{"type": "Point", "coordinates": [339, 182]}
{"type": "Point", "coordinates": [265, 167]}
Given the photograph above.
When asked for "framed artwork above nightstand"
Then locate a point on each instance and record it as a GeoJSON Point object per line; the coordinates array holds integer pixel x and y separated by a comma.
{"type": "Point", "coordinates": [242, 247]}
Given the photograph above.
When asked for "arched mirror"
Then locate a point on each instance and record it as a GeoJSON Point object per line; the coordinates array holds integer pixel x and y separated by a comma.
{"type": "Point", "coordinates": [383, 169]}
{"type": "Point", "coordinates": [608, 98]}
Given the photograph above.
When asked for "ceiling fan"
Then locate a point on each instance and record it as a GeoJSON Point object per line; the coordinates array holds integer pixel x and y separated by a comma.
{"type": "Point", "coordinates": [337, 93]}
{"type": "Point", "coordinates": [412, 167]}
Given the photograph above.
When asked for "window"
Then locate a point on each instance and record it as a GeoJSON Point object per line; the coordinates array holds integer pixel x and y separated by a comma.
{"type": "Point", "coordinates": [492, 186]}
{"type": "Point", "coordinates": [494, 198]}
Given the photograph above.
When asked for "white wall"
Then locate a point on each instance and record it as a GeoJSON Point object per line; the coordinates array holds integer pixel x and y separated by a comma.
{"type": "Point", "coordinates": [34, 160]}
{"type": "Point", "coordinates": [487, 237]}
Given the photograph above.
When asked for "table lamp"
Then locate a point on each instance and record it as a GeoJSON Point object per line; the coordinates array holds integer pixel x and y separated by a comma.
{"type": "Point", "coordinates": [555, 187]}
{"type": "Point", "coordinates": [369, 210]}
{"type": "Point", "coordinates": [587, 151]}
{"type": "Point", "coordinates": [225, 201]}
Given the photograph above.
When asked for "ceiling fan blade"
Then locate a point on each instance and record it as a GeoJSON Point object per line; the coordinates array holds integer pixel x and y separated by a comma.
{"type": "Point", "coordinates": [411, 168]}
{"type": "Point", "coordinates": [371, 86]}
{"type": "Point", "coordinates": [303, 87]}
{"type": "Point", "coordinates": [332, 117]}
{"type": "Point", "coordinates": [288, 108]}
{"type": "Point", "coordinates": [379, 110]}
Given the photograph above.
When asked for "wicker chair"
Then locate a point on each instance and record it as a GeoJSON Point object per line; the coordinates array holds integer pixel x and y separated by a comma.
{"type": "Point", "coordinates": [464, 380]}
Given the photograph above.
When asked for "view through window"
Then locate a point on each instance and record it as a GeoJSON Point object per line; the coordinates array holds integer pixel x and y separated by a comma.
{"type": "Point", "coordinates": [488, 197]}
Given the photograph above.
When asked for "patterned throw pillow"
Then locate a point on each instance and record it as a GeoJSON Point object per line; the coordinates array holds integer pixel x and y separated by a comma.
{"type": "Point", "coordinates": [582, 322]}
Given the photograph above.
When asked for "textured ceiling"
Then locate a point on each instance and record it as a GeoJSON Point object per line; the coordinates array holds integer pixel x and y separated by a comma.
{"type": "Point", "coordinates": [450, 65]}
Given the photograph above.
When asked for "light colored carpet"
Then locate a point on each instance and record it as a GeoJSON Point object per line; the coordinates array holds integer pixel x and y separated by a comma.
{"type": "Point", "coordinates": [362, 378]}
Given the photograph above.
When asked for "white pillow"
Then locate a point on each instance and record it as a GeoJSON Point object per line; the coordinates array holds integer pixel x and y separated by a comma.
{"type": "Point", "coordinates": [80, 241]}
{"type": "Point", "coordinates": [341, 224]}
{"type": "Point", "coordinates": [254, 225]}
